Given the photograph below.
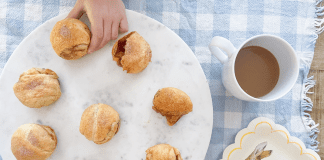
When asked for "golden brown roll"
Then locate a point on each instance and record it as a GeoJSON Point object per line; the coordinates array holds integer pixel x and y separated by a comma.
{"type": "Point", "coordinates": [37, 88]}
{"type": "Point", "coordinates": [70, 38]}
{"type": "Point", "coordinates": [99, 123]}
{"type": "Point", "coordinates": [33, 142]}
{"type": "Point", "coordinates": [163, 152]}
{"type": "Point", "coordinates": [172, 103]}
{"type": "Point", "coordinates": [132, 53]}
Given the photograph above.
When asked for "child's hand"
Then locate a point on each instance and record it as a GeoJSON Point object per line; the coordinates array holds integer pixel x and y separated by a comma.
{"type": "Point", "coordinates": [106, 17]}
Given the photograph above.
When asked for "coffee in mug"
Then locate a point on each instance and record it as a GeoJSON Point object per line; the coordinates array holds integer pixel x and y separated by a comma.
{"type": "Point", "coordinates": [256, 70]}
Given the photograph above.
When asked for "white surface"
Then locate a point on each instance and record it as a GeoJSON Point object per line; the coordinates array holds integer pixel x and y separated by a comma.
{"type": "Point", "coordinates": [283, 146]}
{"type": "Point", "coordinates": [281, 49]}
{"type": "Point", "coordinates": [96, 78]}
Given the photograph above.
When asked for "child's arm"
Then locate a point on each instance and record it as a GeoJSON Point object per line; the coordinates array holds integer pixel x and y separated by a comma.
{"type": "Point", "coordinates": [106, 17]}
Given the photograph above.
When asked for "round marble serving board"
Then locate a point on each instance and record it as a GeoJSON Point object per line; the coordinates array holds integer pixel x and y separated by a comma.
{"type": "Point", "coordinates": [96, 78]}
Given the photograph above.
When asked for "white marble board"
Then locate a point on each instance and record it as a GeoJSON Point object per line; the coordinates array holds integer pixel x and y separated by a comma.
{"type": "Point", "coordinates": [96, 78]}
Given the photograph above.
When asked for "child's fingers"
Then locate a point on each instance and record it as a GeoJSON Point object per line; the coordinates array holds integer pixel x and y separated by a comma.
{"type": "Point", "coordinates": [114, 30]}
{"type": "Point", "coordinates": [107, 32]}
{"type": "Point", "coordinates": [123, 25]}
{"type": "Point", "coordinates": [97, 35]}
{"type": "Point", "coordinates": [77, 11]}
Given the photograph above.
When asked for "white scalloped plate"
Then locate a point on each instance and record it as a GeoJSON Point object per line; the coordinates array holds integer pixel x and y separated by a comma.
{"type": "Point", "coordinates": [284, 146]}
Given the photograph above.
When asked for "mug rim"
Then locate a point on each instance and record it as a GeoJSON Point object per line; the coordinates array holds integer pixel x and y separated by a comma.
{"type": "Point", "coordinates": [284, 92]}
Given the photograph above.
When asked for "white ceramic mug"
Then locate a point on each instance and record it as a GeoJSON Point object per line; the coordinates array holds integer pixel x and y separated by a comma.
{"type": "Point", "coordinates": [281, 49]}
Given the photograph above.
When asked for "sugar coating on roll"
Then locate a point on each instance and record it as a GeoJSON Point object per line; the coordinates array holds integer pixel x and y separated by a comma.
{"type": "Point", "coordinates": [163, 152]}
{"type": "Point", "coordinates": [37, 87]}
{"type": "Point", "coordinates": [99, 123]}
{"type": "Point", "coordinates": [70, 38]}
{"type": "Point", "coordinates": [172, 103]}
{"type": "Point", "coordinates": [33, 142]}
{"type": "Point", "coordinates": [132, 53]}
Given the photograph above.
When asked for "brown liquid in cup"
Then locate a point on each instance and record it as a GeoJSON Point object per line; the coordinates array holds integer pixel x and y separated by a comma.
{"type": "Point", "coordinates": [256, 70]}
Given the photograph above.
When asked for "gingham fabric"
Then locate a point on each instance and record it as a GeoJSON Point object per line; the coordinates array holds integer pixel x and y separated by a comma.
{"type": "Point", "coordinates": [196, 22]}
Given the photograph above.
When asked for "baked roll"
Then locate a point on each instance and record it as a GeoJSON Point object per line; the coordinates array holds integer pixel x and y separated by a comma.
{"type": "Point", "coordinates": [99, 123]}
{"type": "Point", "coordinates": [70, 38]}
{"type": "Point", "coordinates": [37, 88]}
{"type": "Point", "coordinates": [33, 142]}
{"type": "Point", "coordinates": [132, 53]}
{"type": "Point", "coordinates": [172, 103]}
{"type": "Point", "coordinates": [163, 152]}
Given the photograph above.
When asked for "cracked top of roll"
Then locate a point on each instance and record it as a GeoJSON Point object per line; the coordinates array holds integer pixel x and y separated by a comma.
{"type": "Point", "coordinates": [99, 123]}
{"type": "Point", "coordinates": [70, 38]}
{"type": "Point", "coordinates": [132, 53]}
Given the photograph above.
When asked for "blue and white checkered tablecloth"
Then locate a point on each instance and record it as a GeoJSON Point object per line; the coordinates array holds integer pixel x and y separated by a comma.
{"type": "Point", "coordinates": [196, 22]}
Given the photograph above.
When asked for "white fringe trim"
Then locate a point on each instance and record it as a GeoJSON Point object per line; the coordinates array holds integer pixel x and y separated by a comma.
{"type": "Point", "coordinates": [307, 105]}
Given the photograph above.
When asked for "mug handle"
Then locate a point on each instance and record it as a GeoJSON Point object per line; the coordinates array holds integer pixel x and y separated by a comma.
{"type": "Point", "coordinates": [224, 44]}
